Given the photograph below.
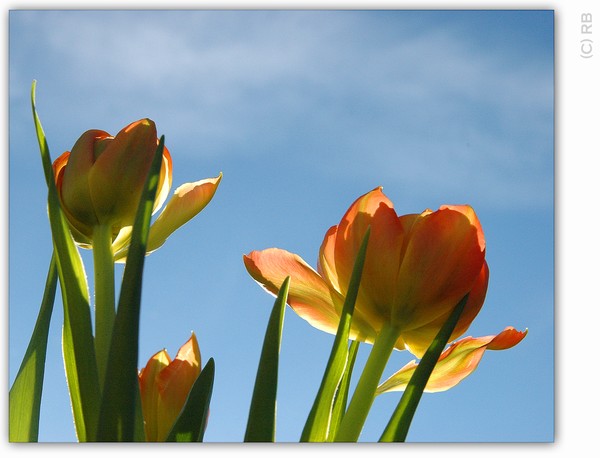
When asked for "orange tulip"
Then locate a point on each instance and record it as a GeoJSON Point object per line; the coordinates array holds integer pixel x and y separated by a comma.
{"type": "Point", "coordinates": [164, 387]}
{"type": "Point", "coordinates": [416, 270]}
{"type": "Point", "coordinates": [101, 179]}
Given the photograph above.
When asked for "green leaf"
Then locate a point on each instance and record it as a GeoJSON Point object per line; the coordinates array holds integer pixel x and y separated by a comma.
{"type": "Point", "coordinates": [397, 428]}
{"type": "Point", "coordinates": [139, 434]}
{"type": "Point", "coordinates": [78, 341]}
{"type": "Point", "coordinates": [319, 426]}
{"type": "Point", "coordinates": [118, 411]}
{"type": "Point", "coordinates": [261, 419]}
{"type": "Point", "coordinates": [341, 396]}
{"type": "Point", "coordinates": [191, 423]}
{"type": "Point", "coordinates": [26, 392]}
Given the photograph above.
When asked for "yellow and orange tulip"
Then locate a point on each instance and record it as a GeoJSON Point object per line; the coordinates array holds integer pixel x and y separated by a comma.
{"type": "Point", "coordinates": [101, 179]}
{"type": "Point", "coordinates": [164, 387]}
{"type": "Point", "coordinates": [417, 268]}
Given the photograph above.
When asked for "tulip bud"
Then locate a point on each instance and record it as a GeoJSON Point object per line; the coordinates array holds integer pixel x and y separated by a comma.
{"type": "Point", "coordinates": [164, 387]}
{"type": "Point", "coordinates": [100, 181]}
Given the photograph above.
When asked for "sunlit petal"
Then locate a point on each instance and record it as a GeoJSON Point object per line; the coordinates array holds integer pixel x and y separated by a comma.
{"type": "Point", "coordinates": [81, 232]}
{"type": "Point", "coordinates": [165, 386]}
{"type": "Point", "coordinates": [149, 392]}
{"type": "Point", "coordinates": [419, 339]}
{"type": "Point", "coordinates": [189, 199]}
{"type": "Point", "coordinates": [441, 264]}
{"type": "Point", "coordinates": [174, 384]}
{"type": "Point", "coordinates": [117, 177]}
{"type": "Point", "coordinates": [456, 362]}
{"type": "Point", "coordinates": [326, 261]}
{"type": "Point", "coordinates": [379, 274]}
{"type": "Point", "coordinates": [164, 181]}
{"type": "Point", "coordinates": [101, 179]}
{"type": "Point", "coordinates": [121, 244]}
{"type": "Point", "coordinates": [468, 211]}
{"type": "Point", "coordinates": [308, 294]}
{"type": "Point", "coordinates": [74, 191]}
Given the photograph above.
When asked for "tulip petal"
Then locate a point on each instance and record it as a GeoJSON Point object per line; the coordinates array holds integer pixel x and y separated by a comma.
{"type": "Point", "coordinates": [361, 325]}
{"type": "Point", "coordinates": [474, 304]}
{"type": "Point", "coordinates": [418, 340]}
{"type": "Point", "coordinates": [71, 176]}
{"type": "Point", "coordinates": [119, 173]}
{"type": "Point", "coordinates": [174, 384]}
{"type": "Point", "coordinates": [468, 211]}
{"type": "Point", "coordinates": [455, 363]}
{"type": "Point", "coordinates": [165, 179]}
{"type": "Point", "coordinates": [309, 296]}
{"type": "Point", "coordinates": [81, 232]}
{"type": "Point", "coordinates": [443, 259]}
{"type": "Point", "coordinates": [326, 261]}
{"type": "Point", "coordinates": [379, 276]}
{"type": "Point", "coordinates": [120, 243]}
{"type": "Point", "coordinates": [148, 379]}
{"type": "Point", "coordinates": [189, 199]}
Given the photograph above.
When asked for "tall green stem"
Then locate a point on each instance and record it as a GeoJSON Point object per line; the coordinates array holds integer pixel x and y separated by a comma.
{"type": "Point", "coordinates": [364, 394]}
{"type": "Point", "coordinates": [104, 288]}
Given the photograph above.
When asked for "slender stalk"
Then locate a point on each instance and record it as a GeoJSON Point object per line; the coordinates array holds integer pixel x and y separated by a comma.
{"type": "Point", "coordinates": [104, 288]}
{"type": "Point", "coordinates": [364, 394]}
{"type": "Point", "coordinates": [341, 396]}
{"type": "Point", "coordinates": [119, 412]}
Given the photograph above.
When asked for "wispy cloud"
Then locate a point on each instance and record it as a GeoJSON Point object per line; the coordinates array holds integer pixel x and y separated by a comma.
{"type": "Point", "coordinates": [428, 105]}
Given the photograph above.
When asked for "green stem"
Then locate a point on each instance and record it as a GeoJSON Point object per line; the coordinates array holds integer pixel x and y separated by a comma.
{"type": "Point", "coordinates": [104, 287]}
{"type": "Point", "coordinates": [397, 428]}
{"type": "Point", "coordinates": [364, 394]}
{"type": "Point", "coordinates": [341, 396]}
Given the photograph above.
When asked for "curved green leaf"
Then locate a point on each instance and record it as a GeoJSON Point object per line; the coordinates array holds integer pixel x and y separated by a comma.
{"type": "Point", "coordinates": [78, 341]}
{"type": "Point", "coordinates": [261, 419]}
{"type": "Point", "coordinates": [191, 423]}
{"type": "Point", "coordinates": [397, 428]}
{"type": "Point", "coordinates": [322, 422]}
{"type": "Point", "coordinates": [26, 392]}
{"type": "Point", "coordinates": [341, 396]}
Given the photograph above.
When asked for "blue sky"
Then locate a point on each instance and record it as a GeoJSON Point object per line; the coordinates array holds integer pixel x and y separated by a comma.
{"type": "Point", "coordinates": [303, 111]}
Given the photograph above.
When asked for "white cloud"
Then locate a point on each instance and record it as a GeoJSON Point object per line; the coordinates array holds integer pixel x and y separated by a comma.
{"type": "Point", "coordinates": [426, 107]}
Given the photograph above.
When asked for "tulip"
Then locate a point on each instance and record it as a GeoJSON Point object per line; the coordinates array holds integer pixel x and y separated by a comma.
{"type": "Point", "coordinates": [416, 270]}
{"type": "Point", "coordinates": [100, 184]}
{"type": "Point", "coordinates": [164, 388]}
{"type": "Point", "coordinates": [101, 179]}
